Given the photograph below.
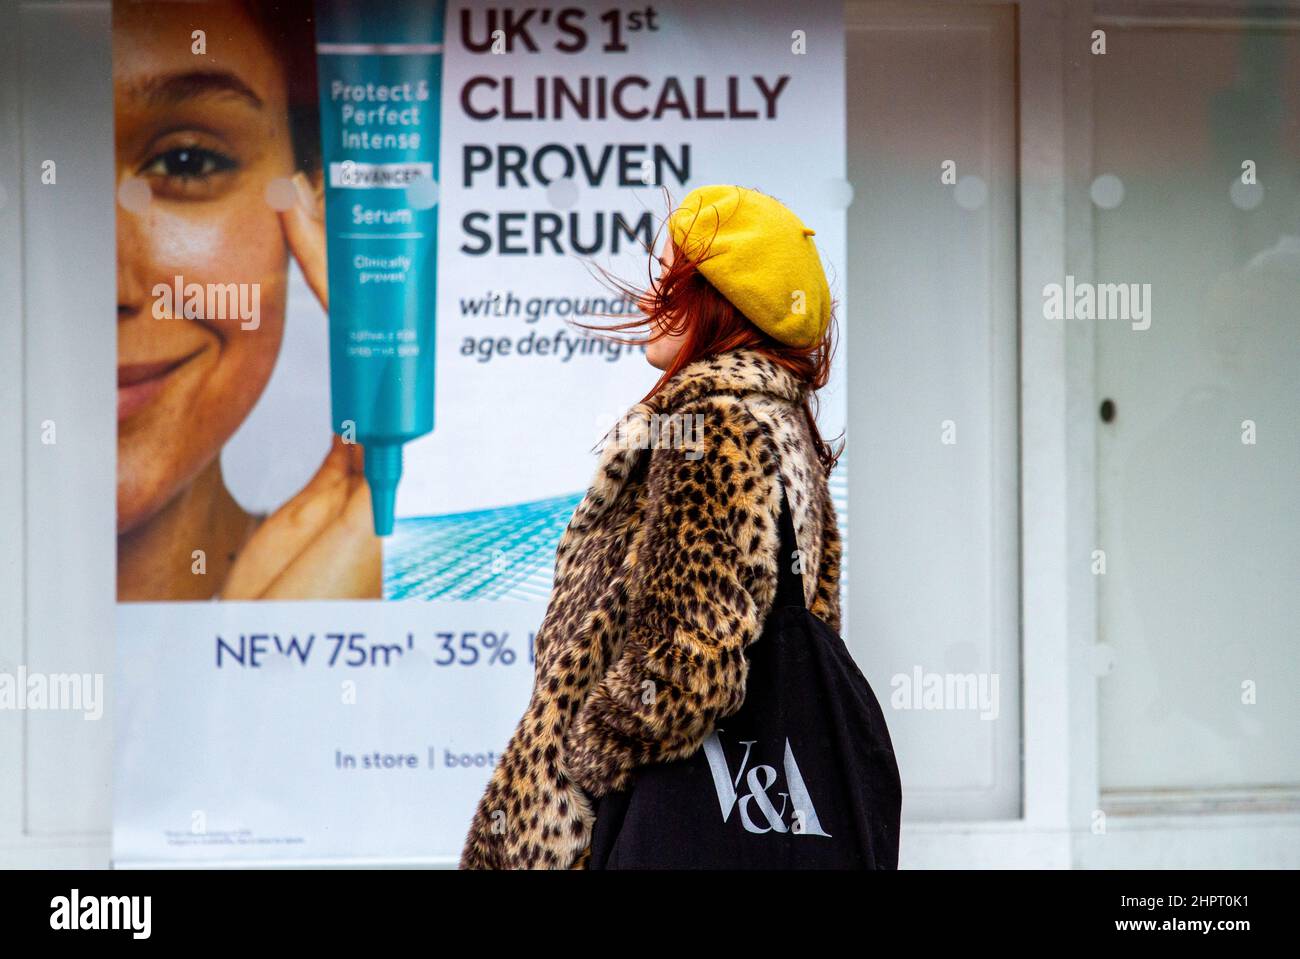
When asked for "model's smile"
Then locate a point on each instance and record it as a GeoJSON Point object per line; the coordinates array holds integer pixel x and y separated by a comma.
{"type": "Point", "coordinates": [138, 384]}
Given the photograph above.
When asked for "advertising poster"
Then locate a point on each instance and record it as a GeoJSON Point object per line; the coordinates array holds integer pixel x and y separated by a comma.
{"type": "Point", "coordinates": [292, 687]}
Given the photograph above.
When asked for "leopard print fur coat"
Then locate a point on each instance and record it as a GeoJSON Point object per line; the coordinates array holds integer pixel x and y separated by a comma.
{"type": "Point", "coordinates": [664, 575]}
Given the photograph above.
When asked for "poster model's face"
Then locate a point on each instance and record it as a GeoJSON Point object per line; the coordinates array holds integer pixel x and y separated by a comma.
{"type": "Point", "coordinates": [198, 139]}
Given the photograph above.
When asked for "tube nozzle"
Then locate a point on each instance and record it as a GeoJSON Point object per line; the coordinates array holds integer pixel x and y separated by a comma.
{"type": "Point", "coordinates": [383, 470]}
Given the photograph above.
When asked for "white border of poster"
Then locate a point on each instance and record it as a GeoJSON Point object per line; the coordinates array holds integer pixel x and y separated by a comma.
{"type": "Point", "coordinates": [342, 731]}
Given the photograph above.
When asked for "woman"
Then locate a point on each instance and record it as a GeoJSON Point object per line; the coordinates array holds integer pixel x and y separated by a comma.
{"type": "Point", "coordinates": [219, 183]}
{"type": "Point", "coordinates": [668, 567]}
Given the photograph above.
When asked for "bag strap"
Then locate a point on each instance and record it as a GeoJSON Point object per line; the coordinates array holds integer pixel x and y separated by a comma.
{"type": "Point", "coordinates": [789, 582]}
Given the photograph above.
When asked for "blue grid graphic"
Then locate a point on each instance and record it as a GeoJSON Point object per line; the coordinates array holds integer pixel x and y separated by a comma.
{"type": "Point", "coordinates": [507, 552]}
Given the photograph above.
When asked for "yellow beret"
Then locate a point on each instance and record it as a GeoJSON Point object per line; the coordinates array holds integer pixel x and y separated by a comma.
{"type": "Point", "coordinates": [760, 256]}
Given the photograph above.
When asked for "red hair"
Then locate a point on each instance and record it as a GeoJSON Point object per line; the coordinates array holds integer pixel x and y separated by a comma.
{"type": "Point", "coordinates": [682, 302]}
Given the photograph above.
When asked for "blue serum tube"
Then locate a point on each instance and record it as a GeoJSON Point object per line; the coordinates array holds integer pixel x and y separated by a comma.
{"type": "Point", "coordinates": [379, 69]}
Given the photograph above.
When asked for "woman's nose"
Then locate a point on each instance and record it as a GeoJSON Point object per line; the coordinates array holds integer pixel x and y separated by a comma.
{"type": "Point", "coordinates": [132, 254]}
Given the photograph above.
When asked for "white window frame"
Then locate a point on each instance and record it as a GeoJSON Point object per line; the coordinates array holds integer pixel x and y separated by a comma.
{"type": "Point", "coordinates": [19, 849]}
{"type": "Point", "coordinates": [1067, 821]}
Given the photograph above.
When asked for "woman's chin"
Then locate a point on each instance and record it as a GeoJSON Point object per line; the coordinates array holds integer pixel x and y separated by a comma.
{"type": "Point", "coordinates": [146, 484]}
{"type": "Point", "coordinates": [135, 509]}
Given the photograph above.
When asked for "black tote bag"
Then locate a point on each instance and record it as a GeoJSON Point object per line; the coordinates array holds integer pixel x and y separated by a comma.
{"type": "Point", "coordinates": [803, 776]}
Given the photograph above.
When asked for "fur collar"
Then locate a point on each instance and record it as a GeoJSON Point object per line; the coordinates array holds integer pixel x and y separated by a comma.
{"type": "Point", "coordinates": [738, 373]}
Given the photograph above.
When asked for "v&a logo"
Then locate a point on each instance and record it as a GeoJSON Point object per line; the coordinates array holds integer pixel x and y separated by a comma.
{"type": "Point", "coordinates": [796, 814]}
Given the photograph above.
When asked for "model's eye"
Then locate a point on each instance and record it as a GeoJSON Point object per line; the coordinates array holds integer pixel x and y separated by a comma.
{"type": "Point", "coordinates": [189, 172]}
{"type": "Point", "coordinates": [188, 163]}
